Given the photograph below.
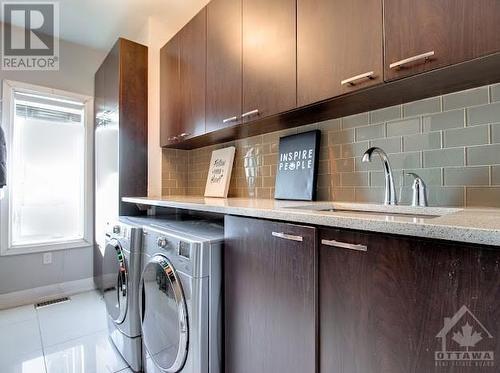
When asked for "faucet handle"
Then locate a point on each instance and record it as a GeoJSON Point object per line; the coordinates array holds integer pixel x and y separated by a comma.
{"type": "Point", "coordinates": [419, 191]}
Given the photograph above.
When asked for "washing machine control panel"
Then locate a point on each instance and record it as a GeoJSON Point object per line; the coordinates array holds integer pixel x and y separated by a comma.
{"type": "Point", "coordinates": [118, 231]}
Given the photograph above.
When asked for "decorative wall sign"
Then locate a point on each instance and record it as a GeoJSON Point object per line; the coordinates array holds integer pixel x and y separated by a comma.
{"type": "Point", "coordinates": [219, 173]}
{"type": "Point", "coordinates": [298, 166]}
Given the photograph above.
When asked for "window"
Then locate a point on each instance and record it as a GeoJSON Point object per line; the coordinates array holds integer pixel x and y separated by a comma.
{"type": "Point", "coordinates": [48, 198]}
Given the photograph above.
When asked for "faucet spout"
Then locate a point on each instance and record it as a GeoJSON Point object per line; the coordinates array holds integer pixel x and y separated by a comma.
{"type": "Point", "coordinates": [390, 189]}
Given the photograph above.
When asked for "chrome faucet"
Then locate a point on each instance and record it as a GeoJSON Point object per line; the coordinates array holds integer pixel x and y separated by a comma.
{"type": "Point", "coordinates": [390, 188]}
{"type": "Point", "coordinates": [419, 191]}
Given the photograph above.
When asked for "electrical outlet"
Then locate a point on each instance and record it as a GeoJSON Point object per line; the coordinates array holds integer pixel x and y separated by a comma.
{"type": "Point", "coordinates": [47, 258]}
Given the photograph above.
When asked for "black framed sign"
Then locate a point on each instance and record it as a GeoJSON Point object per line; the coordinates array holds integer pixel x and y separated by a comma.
{"type": "Point", "coordinates": [297, 168]}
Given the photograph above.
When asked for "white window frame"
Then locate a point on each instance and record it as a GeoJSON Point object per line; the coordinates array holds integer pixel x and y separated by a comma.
{"type": "Point", "coordinates": [8, 112]}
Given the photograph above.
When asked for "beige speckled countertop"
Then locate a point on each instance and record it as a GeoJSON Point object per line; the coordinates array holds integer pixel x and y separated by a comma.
{"type": "Point", "coordinates": [479, 226]}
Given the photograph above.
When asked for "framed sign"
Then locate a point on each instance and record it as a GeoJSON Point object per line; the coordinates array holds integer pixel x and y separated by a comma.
{"type": "Point", "coordinates": [219, 173]}
{"type": "Point", "coordinates": [297, 171]}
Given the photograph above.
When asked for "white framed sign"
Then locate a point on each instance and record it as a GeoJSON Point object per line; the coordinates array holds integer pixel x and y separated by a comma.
{"type": "Point", "coordinates": [219, 173]}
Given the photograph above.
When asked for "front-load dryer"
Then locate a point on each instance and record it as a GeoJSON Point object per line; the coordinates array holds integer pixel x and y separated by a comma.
{"type": "Point", "coordinates": [121, 275]}
{"type": "Point", "coordinates": [181, 296]}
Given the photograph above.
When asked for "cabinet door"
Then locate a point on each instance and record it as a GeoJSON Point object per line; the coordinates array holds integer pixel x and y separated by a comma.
{"type": "Point", "coordinates": [192, 76]}
{"type": "Point", "coordinates": [270, 297]}
{"type": "Point", "coordinates": [384, 310]}
{"type": "Point", "coordinates": [111, 66]}
{"type": "Point", "coordinates": [223, 64]}
{"type": "Point", "coordinates": [339, 47]}
{"type": "Point", "coordinates": [170, 98]}
{"type": "Point", "coordinates": [99, 95]}
{"type": "Point", "coordinates": [447, 31]}
{"type": "Point", "coordinates": [269, 57]}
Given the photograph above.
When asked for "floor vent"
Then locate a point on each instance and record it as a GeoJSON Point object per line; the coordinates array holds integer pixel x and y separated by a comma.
{"type": "Point", "coordinates": [52, 302]}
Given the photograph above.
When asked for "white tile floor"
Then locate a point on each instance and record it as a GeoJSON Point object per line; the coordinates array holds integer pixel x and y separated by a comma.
{"type": "Point", "coordinates": [63, 338]}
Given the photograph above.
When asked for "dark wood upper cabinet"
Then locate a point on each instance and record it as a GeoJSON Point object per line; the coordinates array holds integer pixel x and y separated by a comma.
{"type": "Point", "coordinates": [170, 98]}
{"type": "Point", "coordinates": [381, 310]}
{"type": "Point", "coordinates": [448, 31]}
{"type": "Point", "coordinates": [182, 81]}
{"type": "Point", "coordinates": [241, 68]}
{"type": "Point", "coordinates": [270, 297]}
{"type": "Point", "coordinates": [192, 52]}
{"type": "Point", "coordinates": [339, 47]}
{"type": "Point", "coordinates": [223, 105]}
{"type": "Point", "coordinates": [269, 57]}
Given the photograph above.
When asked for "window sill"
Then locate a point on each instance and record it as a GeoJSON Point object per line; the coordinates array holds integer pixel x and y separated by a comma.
{"type": "Point", "coordinates": [56, 246]}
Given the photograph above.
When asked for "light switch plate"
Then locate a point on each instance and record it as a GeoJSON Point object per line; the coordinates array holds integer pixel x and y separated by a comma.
{"type": "Point", "coordinates": [47, 258]}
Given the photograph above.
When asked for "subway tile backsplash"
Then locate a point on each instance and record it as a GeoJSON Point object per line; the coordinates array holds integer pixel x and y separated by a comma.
{"type": "Point", "coordinates": [451, 141]}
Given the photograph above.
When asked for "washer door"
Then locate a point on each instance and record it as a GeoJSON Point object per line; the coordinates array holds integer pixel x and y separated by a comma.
{"type": "Point", "coordinates": [164, 315]}
{"type": "Point", "coordinates": [115, 281]}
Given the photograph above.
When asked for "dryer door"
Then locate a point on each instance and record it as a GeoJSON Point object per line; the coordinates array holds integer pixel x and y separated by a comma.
{"type": "Point", "coordinates": [164, 315]}
{"type": "Point", "coordinates": [115, 281]}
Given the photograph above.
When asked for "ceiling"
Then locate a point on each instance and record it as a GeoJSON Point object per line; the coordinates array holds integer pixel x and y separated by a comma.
{"type": "Point", "coordinates": [98, 23]}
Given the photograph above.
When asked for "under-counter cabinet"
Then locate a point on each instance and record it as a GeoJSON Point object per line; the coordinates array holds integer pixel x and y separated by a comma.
{"type": "Point", "coordinates": [182, 81]}
{"type": "Point", "coordinates": [224, 70]}
{"type": "Point", "coordinates": [270, 297]}
{"type": "Point", "coordinates": [269, 57]}
{"type": "Point", "coordinates": [387, 302]}
{"type": "Point", "coordinates": [427, 34]}
{"type": "Point", "coordinates": [339, 47]}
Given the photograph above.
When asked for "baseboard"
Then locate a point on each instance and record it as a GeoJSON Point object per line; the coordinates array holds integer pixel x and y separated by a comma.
{"type": "Point", "coordinates": [43, 293]}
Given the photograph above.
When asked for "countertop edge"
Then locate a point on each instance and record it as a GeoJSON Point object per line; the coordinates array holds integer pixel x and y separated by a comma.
{"type": "Point", "coordinates": [472, 235]}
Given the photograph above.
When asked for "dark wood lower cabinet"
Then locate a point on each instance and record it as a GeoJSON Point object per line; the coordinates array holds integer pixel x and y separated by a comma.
{"type": "Point", "coordinates": [391, 308]}
{"type": "Point", "coordinates": [270, 297]}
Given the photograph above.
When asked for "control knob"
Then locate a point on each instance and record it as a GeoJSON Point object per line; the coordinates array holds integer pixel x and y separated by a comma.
{"type": "Point", "coordinates": [162, 242]}
{"type": "Point", "coordinates": [116, 229]}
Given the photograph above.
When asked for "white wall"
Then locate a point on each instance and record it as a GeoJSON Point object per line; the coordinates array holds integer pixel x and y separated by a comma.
{"type": "Point", "coordinates": [77, 68]}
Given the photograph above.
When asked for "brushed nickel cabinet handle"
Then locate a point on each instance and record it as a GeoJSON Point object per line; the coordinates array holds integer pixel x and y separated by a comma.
{"type": "Point", "coordinates": [424, 56]}
{"type": "Point", "coordinates": [185, 134]}
{"type": "Point", "coordinates": [351, 81]}
{"type": "Point", "coordinates": [344, 245]}
{"type": "Point", "coordinates": [250, 113]}
{"type": "Point", "coordinates": [229, 120]}
{"type": "Point", "coordinates": [289, 237]}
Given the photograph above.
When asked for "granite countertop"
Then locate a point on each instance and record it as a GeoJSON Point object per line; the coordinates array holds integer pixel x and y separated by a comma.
{"type": "Point", "coordinates": [470, 225]}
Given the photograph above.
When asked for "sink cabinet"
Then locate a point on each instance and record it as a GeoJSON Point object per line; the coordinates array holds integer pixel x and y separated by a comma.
{"type": "Point", "coordinates": [382, 309]}
{"type": "Point", "coordinates": [305, 299]}
{"type": "Point", "coordinates": [270, 296]}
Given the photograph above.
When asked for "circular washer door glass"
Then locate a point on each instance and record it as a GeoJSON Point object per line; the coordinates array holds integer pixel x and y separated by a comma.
{"type": "Point", "coordinates": [115, 281]}
{"type": "Point", "coordinates": [164, 315]}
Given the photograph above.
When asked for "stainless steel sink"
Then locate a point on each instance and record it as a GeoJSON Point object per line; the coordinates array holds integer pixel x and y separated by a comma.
{"type": "Point", "coordinates": [400, 211]}
{"type": "Point", "coordinates": [382, 213]}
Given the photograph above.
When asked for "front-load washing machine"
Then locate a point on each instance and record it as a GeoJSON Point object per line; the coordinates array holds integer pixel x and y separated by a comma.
{"type": "Point", "coordinates": [121, 274]}
{"type": "Point", "coordinates": [180, 296]}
